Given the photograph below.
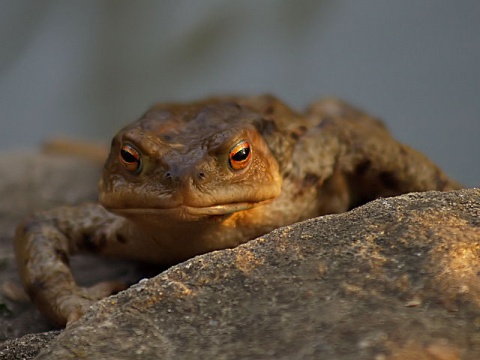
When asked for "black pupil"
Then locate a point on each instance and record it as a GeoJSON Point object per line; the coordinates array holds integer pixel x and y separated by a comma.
{"type": "Point", "coordinates": [128, 157]}
{"type": "Point", "coordinates": [241, 154]}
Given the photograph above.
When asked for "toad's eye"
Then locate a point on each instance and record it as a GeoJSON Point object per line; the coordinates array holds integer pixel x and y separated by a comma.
{"type": "Point", "coordinates": [130, 158]}
{"type": "Point", "coordinates": [240, 155]}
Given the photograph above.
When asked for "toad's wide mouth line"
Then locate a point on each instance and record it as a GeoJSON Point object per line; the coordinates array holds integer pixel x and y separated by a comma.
{"type": "Point", "coordinates": [224, 209]}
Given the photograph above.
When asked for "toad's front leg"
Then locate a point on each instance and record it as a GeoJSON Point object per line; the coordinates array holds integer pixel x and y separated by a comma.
{"type": "Point", "coordinates": [43, 245]}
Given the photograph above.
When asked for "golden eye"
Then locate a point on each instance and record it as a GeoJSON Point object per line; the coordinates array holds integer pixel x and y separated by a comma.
{"type": "Point", "coordinates": [130, 158]}
{"type": "Point", "coordinates": [240, 155]}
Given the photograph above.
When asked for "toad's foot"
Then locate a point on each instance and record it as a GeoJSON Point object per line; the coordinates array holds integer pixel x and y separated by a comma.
{"type": "Point", "coordinates": [72, 307]}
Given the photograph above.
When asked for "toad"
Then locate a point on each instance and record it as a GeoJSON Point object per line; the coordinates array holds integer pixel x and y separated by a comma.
{"type": "Point", "coordinates": [186, 179]}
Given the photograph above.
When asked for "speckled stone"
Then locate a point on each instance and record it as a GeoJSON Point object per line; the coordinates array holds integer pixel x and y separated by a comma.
{"type": "Point", "coordinates": [394, 279]}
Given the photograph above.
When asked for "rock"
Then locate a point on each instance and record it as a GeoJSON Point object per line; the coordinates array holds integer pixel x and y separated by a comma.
{"type": "Point", "coordinates": [397, 278]}
{"type": "Point", "coordinates": [26, 347]}
{"type": "Point", "coordinates": [32, 182]}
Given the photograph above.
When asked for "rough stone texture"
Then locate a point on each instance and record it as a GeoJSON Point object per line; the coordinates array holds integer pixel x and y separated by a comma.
{"type": "Point", "coordinates": [26, 347]}
{"type": "Point", "coordinates": [395, 279]}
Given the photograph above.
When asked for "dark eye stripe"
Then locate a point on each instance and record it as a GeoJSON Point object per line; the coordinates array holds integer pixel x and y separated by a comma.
{"type": "Point", "coordinates": [240, 155]}
{"type": "Point", "coordinates": [130, 158]}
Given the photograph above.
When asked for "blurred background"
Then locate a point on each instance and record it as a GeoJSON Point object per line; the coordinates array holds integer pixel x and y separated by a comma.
{"type": "Point", "coordinates": [85, 68]}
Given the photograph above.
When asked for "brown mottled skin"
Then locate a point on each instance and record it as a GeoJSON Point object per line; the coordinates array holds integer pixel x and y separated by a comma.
{"type": "Point", "coordinates": [175, 185]}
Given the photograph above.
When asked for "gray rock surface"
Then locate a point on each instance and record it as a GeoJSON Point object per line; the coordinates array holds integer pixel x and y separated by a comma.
{"type": "Point", "coordinates": [395, 279]}
{"type": "Point", "coordinates": [26, 347]}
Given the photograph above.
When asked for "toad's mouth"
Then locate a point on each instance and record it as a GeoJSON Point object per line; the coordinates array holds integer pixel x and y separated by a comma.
{"type": "Point", "coordinates": [185, 211]}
